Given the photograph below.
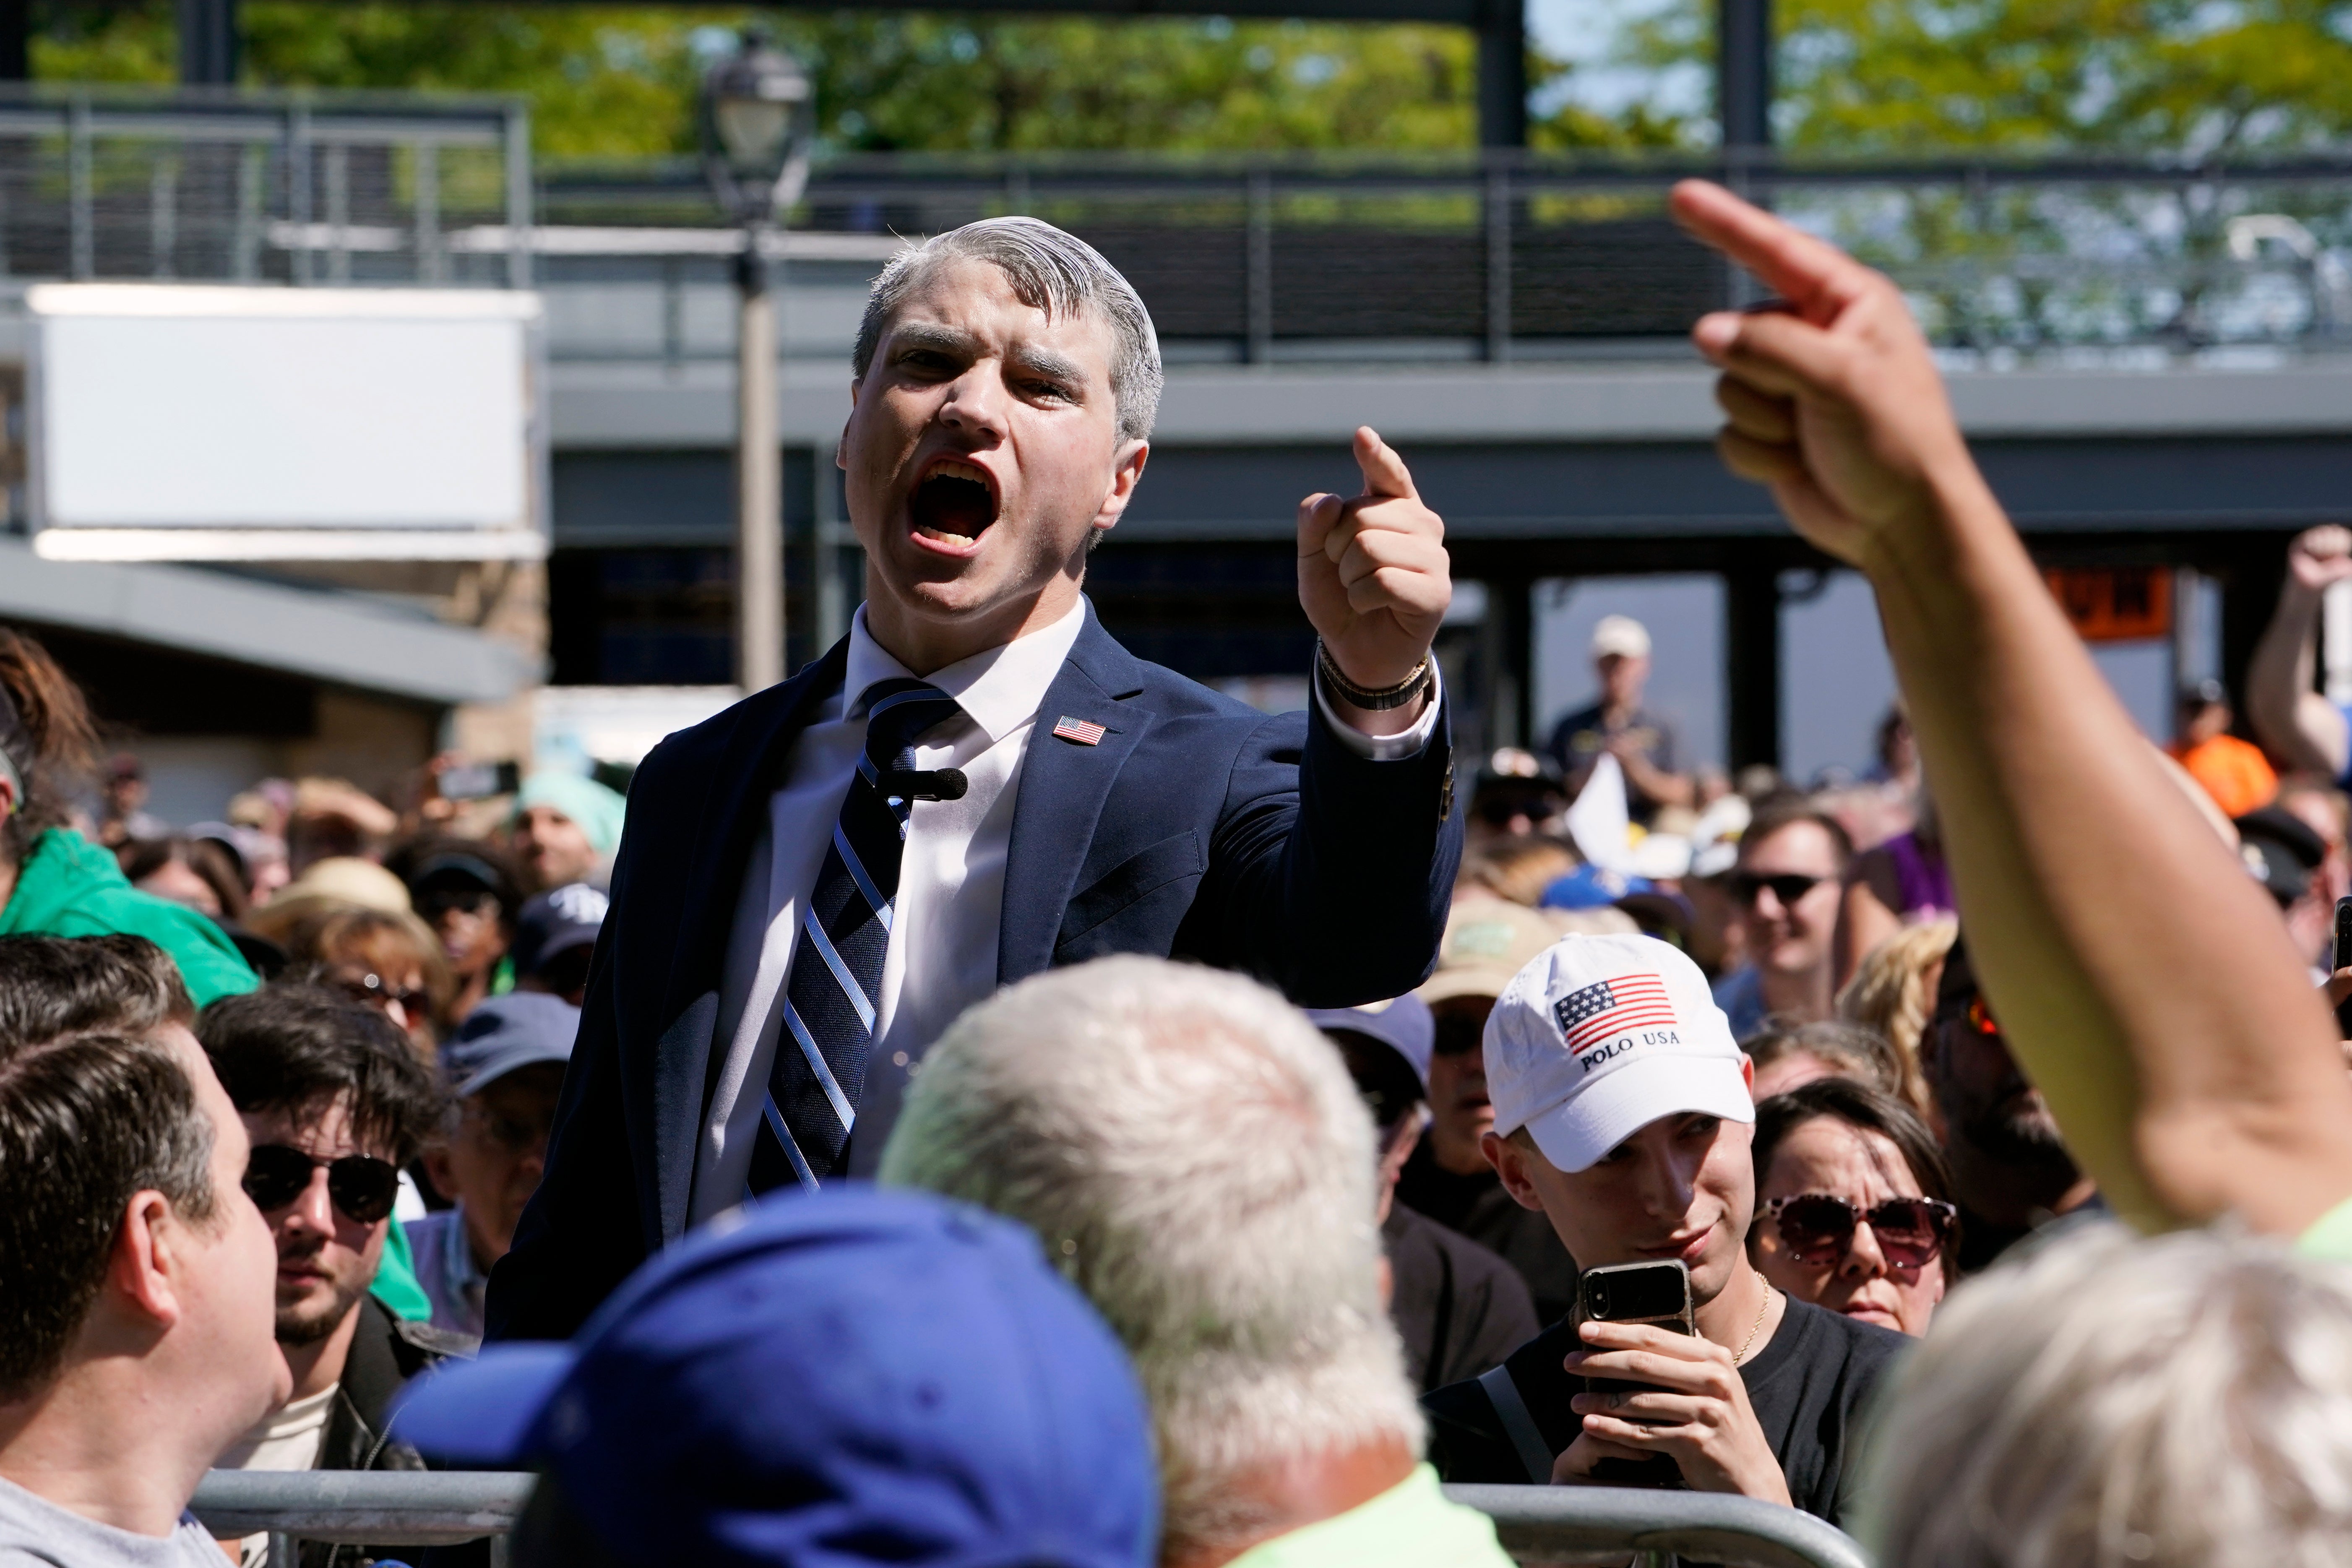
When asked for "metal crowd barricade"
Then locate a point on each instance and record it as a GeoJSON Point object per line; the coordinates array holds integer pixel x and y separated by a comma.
{"type": "Point", "coordinates": [380, 1507]}
{"type": "Point", "coordinates": [1602, 1524]}
{"type": "Point", "coordinates": [1537, 1524]}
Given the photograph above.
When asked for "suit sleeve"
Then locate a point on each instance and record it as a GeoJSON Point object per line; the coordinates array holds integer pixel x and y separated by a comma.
{"type": "Point", "coordinates": [1330, 874]}
{"type": "Point", "coordinates": [582, 1232]}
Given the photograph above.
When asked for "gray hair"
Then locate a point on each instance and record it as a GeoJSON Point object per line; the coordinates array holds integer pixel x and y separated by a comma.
{"type": "Point", "coordinates": [1051, 272]}
{"type": "Point", "coordinates": [2113, 1403]}
{"type": "Point", "coordinates": [1195, 1158]}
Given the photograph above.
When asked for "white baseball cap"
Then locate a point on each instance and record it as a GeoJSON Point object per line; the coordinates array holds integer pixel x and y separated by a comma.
{"type": "Point", "coordinates": [1601, 1036]}
{"type": "Point", "coordinates": [1621, 634]}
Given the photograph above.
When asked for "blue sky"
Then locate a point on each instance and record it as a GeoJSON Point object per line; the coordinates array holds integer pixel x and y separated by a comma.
{"type": "Point", "coordinates": [1584, 33]}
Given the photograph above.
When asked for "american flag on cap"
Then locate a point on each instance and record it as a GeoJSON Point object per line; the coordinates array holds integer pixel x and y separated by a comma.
{"type": "Point", "coordinates": [1079, 730]}
{"type": "Point", "coordinates": [1608, 1008]}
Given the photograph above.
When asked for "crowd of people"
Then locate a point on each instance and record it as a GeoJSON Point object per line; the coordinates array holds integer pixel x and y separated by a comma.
{"type": "Point", "coordinates": [1256, 1124]}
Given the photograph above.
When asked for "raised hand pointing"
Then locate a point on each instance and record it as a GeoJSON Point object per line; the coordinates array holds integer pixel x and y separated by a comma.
{"type": "Point", "coordinates": [1373, 575]}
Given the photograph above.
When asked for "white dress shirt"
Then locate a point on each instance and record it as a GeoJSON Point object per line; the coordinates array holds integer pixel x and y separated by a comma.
{"type": "Point", "coordinates": [942, 954]}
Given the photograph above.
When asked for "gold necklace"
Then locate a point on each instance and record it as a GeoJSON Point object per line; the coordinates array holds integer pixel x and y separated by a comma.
{"type": "Point", "coordinates": [1757, 1327]}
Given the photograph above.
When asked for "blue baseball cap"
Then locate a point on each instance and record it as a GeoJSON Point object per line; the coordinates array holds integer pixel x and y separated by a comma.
{"type": "Point", "coordinates": [1592, 887]}
{"type": "Point", "coordinates": [842, 1377]}
{"type": "Point", "coordinates": [503, 1033]}
{"type": "Point", "coordinates": [1406, 1025]}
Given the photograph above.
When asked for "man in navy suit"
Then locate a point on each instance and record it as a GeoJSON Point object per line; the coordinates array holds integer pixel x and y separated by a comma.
{"type": "Point", "coordinates": [978, 783]}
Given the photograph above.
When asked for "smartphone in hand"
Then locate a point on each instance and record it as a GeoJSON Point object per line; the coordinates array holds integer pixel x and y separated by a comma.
{"type": "Point", "coordinates": [477, 781]}
{"type": "Point", "coordinates": [1657, 1294]}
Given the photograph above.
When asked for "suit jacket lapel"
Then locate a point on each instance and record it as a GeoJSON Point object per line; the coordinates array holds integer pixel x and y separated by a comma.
{"type": "Point", "coordinates": [1062, 786]}
{"type": "Point", "coordinates": [749, 767]}
{"type": "Point", "coordinates": [745, 773]}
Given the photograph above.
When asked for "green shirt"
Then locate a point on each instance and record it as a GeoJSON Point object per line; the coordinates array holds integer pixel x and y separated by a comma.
{"type": "Point", "coordinates": [396, 1284]}
{"type": "Point", "coordinates": [1411, 1525]}
{"type": "Point", "coordinates": [2330, 1236]}
{"type": "Point", "coordinates": [70, 886]}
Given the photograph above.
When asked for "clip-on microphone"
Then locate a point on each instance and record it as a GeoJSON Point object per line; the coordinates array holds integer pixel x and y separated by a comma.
{"type": "Point", "coordinates": [911, 784]}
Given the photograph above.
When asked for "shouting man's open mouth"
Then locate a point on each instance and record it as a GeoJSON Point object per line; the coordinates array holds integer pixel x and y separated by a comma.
{"type": "Point", "coordinates": [953, 503]}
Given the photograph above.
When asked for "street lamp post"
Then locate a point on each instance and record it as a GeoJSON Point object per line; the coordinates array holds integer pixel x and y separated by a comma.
{"type": "Point", "coordinates": [757, 123]}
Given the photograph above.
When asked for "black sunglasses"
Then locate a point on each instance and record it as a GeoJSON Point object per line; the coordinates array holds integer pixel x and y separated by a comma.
{"type": "Point", "coordinates": [1818, 1227]}
{"type": "Point", "coordinates": [374, 990]}
{"type": "Point", "coordinates": [1788, 888]}
{"type": "Point", "coordinates": [1458, 1035]}
{"type": "Point", "coordinates": [431, 905]}
{"type": "Point", "coordinates": [361, 1185]}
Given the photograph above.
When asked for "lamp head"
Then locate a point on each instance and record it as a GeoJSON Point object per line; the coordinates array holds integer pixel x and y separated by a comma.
{"type": "Point", "coordinates": [757, 113]}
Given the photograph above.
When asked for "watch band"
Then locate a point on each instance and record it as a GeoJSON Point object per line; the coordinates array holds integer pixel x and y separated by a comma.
{"type": "Point", "coordinates": [1370, 702]}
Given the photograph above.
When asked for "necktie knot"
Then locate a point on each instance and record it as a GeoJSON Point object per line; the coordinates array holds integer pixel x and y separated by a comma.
{"type": "Point", "coordinates": [900, 711]}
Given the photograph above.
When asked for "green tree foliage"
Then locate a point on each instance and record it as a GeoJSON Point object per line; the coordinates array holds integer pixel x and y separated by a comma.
{"type": "Point", "coordinates": [615, 83]}
{"type": "Point", "coordinates": [1072, 83]}
{"type": "Point", "coordinates": [1910, 75]}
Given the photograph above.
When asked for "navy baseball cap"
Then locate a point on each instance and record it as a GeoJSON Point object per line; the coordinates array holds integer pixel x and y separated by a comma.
{"type": "Point", "coordinates": [503, 1033]}
{"type": "Point", "coordinates": [557, 921]}
{"type": "Point", "coordinates": [841, 1377]}
{"type": "Point", "coordinates": [1406, 1025]}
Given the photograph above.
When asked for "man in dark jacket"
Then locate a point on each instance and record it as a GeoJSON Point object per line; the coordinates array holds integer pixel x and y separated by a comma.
{"type": "Point", "coordinates": [978, 783]}
{"type": "Point", "coordinates": [335, 1102]}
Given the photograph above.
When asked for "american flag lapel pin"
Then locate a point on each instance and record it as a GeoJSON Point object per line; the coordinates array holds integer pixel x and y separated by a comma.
{"type": "Point", "coordinates": [1078, 730]}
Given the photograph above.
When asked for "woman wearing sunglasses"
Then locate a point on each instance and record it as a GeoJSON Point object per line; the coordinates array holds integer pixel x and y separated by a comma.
{"type": "Point", "coordinates": [1853, 1208]}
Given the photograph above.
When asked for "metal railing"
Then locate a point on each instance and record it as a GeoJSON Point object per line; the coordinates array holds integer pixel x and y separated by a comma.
{"type": "Point", "coordinates": [1508, 255]}
{"type": "Point", "coordinates": [362, 1508]}
{"type": "Point", "coordinates": [1536, 1524]}
{"type": "Point", "coordinates": [253, 188]}
{"type": "Point", "coordinates": [1602, 1524]}
{"type": "Point", "coordinates": [1498, 256]}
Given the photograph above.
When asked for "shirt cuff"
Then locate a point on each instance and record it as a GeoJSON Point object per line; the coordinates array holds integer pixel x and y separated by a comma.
{"type": "Point", "coordinates": [1393, 748]}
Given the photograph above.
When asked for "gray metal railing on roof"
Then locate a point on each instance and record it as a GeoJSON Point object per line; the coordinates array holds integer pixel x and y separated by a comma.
{"type": "Point", "coordinates": [1510, 255]}
{"type": "Point", "coordinates": [1498, 256]}
{"type": "Point", "coordinates": [1536, 1524]}
{"type": "Point", "coordinates": [106, 183]}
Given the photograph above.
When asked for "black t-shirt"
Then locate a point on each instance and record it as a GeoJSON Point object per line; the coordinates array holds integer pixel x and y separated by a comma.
{"type": "Point", "coordinates": [1458, 1306]}
{"type": "Point", "coordinates": [1477, 1207]}
{"type": "Point", "coordinates": [1807, 1388]}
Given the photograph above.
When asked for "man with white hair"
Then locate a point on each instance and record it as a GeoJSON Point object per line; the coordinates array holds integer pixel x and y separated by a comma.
{"type": "Point", "coordinates": [1623, 1111]}
{"type": "Point", "coordinates": [2175, 1402]}
{"type": "Point", "coordinates": [1195, 1155]}
{"type": "Point", "coordinates": [1617, 725]}
{"type": "Point", "coordinates": [978, 783]}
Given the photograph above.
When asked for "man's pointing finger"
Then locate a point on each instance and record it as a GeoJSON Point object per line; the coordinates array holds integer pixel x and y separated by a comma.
{"type": "Point", "coordinates": [1385, 472]}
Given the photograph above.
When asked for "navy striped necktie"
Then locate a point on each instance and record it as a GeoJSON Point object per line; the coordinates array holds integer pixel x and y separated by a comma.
{"type": "Point", "coordinates": [835, 986]}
